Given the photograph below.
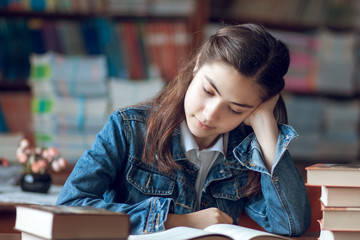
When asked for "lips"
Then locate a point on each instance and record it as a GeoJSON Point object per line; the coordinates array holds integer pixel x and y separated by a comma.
{"type": "Point", "coordinates": [202, 125]}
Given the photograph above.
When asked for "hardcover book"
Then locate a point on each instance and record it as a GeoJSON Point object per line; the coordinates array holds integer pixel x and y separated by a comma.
{"type": "Point", "coordinates": [70, 222]}
{"type": "Point", "coordinates": [340, 219]}
{"type": "Point", "coordinates": [347, 175]}
{"type": "Point", "coordinates": [340, 196]}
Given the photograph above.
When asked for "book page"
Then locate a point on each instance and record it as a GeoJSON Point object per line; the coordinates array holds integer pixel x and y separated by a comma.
{"type": "Point", "coordinates": [177, 233]}
{"type": "Point", "coordinates": [242, 233]}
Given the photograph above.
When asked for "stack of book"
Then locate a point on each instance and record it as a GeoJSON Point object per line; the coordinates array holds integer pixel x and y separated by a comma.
{"type": "Point", "coordinates": [340, 199]}
{"type": "Point", "coordinates": [124, 92]}
{"type": "Point", "coordinates": [133, 49]}
{"type": "Point", "coordinates": [70, 101]}
{"type": "Point", "coordinates": [45, 222]}
{"type": "Point", "coordinates": [9, 142]}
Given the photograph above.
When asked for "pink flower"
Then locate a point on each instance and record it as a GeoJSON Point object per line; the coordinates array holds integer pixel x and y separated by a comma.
{"type": "Point", "coordinates": [62, 162]}
{"type": "Point", "coordinates": [4, 162]}
{"type": "Point", "coordinates": [56, 166]}
{"type": "Point", "coordinates": [27, 151]}
{"type": "Point", "coordinates": [53, 151]}
{"type": "Point", "coordinates": [39, 160]}
{"type": "Point", "coordinates": [24, 143]}
{"type": "Point", "coordinates": [43, 164]}
{"type": "Point", "coordinates": [22, 157]}
{"type": "Point", "coordinates": [38, 151]}
{"type": "Point", "coordinates": [35, 167]}
{"type": "Point", "coordinates": [46, 155]}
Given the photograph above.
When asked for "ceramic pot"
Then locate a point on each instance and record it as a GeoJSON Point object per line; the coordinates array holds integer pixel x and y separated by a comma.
{"type": "Point", "coordinates": [35, 182]}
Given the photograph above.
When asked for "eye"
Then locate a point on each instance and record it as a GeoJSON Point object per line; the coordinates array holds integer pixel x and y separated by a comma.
{"type": "Point", "coordinates": [208, 92]}
{"type": "Point", "coordinates": [234, 111]}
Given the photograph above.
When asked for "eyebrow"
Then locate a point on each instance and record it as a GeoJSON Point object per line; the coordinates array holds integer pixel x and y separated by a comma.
{"type": "Point", "coordinates": [211, 82]}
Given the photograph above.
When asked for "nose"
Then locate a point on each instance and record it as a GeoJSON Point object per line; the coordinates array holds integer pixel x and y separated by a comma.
{"type": "Point", "coordinates": [212, 111]}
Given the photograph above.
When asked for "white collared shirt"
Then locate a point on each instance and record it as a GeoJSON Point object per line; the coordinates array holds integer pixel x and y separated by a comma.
{"type": "Point", "coordinates": [204, 158]}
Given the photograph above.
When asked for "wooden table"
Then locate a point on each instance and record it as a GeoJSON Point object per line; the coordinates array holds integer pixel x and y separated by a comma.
{"type": "Point", "coordinates": [17, 236]}
{"type": "Point", "coordinates": [10, 236]}
{"type": "Point", "coordinates": [12, 195]}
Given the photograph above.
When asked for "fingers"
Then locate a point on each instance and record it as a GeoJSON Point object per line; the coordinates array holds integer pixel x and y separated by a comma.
{"type": "Point", "coordinates": [219, 216]}
{"type": "Point", "coordinates": [226, 218]}
{"type": "Point", "coordinates": [200, 219]}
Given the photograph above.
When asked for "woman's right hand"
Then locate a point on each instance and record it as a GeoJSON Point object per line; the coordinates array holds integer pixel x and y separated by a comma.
{"type": "Point", "coordinates": [200, 219]}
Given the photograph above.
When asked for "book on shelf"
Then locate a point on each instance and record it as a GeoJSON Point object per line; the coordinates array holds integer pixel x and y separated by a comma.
{"type": "Point", "coordinates": [327, 174]}
{"type": "Point", "coordinates": [3, 126]}
{"type": "Point", "coordinates": [340, 218]}
{"type": "Point", "coordinates": [213, 232]}
{"type": "Point", "coordinates": [124, 92]}
{"type": "Point", "coordinates": [71, 222]}
{"type": "Point", "coordinates": [340, 196]}
{"type": "Point", "coordinates": [9, 142]}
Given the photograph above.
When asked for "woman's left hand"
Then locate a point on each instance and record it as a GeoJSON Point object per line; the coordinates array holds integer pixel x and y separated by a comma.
{"type": "Point", "coordinates": [265, 109]}
{"type": "Point", "coordinates": [263, 122]}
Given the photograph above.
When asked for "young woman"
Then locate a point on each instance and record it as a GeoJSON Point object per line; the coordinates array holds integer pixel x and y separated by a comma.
{"type": "Point", "coordinates": [213, 143]}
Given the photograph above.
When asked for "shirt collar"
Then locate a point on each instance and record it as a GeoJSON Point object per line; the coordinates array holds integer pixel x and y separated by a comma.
{"type": "Point", "coordinates": [189, 143]}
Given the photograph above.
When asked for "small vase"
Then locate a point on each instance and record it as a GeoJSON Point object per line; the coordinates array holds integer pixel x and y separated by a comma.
{"type": "Point", "coordinates": [35, 182]}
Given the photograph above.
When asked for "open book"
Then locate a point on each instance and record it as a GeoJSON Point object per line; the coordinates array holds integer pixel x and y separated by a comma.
{"type": "Point", "coordinates": [213, 232]}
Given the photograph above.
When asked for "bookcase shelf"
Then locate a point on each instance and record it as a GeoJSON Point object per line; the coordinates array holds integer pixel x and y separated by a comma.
{"type": "Point", "coordinates": [18, 86]}
{"type": "Point", "coordinates": [185, 25]}
{"type": "Point", "coordinates": [318, 111]}
{"type": "Point", "coordinates": [285, 26]}
{"type": "Point", "coordinates": [82, 16]}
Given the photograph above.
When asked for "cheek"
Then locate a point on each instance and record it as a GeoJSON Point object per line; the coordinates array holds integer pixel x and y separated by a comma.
{"type": "Point", "coordinates": [192, 101]}
{"type": "Point", "coordinates": [231, 123]}
{"type": "Point", "coordinates": [188, 107]}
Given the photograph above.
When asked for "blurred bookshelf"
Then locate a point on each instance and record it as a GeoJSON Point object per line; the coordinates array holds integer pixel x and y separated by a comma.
{"type": "Point", "coordinates": [67, 57]}
{"type": "Point", "coordinates": [322, 85]}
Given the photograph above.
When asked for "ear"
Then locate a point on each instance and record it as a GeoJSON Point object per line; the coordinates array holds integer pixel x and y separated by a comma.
{"type": "Point", "coordinates": [196, 68]}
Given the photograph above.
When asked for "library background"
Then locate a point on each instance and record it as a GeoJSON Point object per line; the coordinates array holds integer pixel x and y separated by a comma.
{"type": "Point", "coordinates": [66, 65]}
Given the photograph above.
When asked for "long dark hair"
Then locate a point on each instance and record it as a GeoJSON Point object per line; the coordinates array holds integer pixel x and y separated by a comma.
{"type": "Point", "coordinates": [252, 51]}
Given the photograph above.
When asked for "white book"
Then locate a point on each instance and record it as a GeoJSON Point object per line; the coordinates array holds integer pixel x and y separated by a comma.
{"type": "Point", "coordinates": [9, 142]}
{"type": "Point", "coordinates": [339, 235]}
{"type": "Point", "coordinates": [340, 196]}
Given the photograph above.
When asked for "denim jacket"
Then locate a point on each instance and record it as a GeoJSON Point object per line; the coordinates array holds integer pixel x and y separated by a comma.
{"type": "Point", "coordinates": [111, 175]}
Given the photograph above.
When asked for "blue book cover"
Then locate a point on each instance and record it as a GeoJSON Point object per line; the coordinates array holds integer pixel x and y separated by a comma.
{"type": "Point", "coordinates": [91, 38]}
{"type": "Point", "coordinates": [38, 5]}
{"type": "Point", "coordinates": [22, 49]}
{"type": "Point", "coordinates": [51, 37]}
{"type": "Point", "coordinates": [7, 49]}
{"type": "Point", "coordinates": [142, 48]}
{"type": "Point", "coordinates": [3, 127]}
{"type": "Point", "coordinates": [4, 3]}
{"type": "Point", "coordinates": [14, 63]}
{"type": "Point", "coordinates": [109, 44]}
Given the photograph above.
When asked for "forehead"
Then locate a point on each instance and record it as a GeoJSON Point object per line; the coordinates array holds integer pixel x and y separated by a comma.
{"type": "Point", "coordinates": [232, 85]}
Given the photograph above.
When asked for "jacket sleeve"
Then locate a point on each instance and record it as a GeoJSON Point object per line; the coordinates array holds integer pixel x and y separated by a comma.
{"type": "Point", "coordinates": [282, 207]}
{"type": "Point", "coordinates": [92, 179]}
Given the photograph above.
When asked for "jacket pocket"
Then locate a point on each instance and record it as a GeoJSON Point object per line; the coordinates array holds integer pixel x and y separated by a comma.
{"type": "Point", "coordinates": [230, 189]}
{"type": "Point", "coordinates": [149, 182]}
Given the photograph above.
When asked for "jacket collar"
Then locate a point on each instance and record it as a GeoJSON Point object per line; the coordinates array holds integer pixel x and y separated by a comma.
{"type": "Point", "coordinates": [231, 161]}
